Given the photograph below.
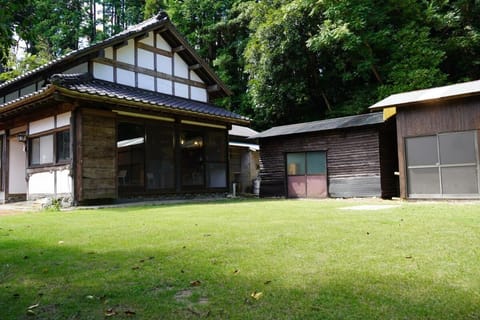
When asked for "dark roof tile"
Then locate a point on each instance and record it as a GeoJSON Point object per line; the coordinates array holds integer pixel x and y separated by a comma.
{"type": "Point", "coordinates": [84, 84]}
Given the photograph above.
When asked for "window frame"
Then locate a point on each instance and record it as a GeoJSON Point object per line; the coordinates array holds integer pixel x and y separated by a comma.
{"type": "Point", "coordinates": [55, 148]}
{"type": "Point", "coordinates": [439, 166]}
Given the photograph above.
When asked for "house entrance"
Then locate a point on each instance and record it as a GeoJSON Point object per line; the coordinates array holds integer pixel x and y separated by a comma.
{"type": "Point", "coordinates": [307, 174]}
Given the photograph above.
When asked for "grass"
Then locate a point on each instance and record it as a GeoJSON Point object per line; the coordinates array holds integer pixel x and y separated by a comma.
{"type": "Point", "coordinates": [255, 259]}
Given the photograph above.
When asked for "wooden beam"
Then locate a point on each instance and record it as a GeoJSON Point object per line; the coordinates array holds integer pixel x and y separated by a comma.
{"type": "Point", "coordinates": [121, 44]}
{"type": "Point", "coordinates": [179, 48]}
{"type": "Point", "coordinates": [195, 67]}
{"type": "Point", "coordinates": [159, 51]}
{"type": "Point", "coordinates": [142, 36]}
{"type": "Point", "coordinates": [153, 73]}
{"type": "Point", "coordinates": [213, 88]}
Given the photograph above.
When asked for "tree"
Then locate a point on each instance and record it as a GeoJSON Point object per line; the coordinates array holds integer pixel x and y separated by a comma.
{"type": "Point", "coordinates": [218, 30]}
{"type": "Point", "coordinates": [284, 75]}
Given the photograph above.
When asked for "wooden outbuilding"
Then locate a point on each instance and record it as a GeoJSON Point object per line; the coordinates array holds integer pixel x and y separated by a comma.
{"type": "Point", "coordinates": [342, 157]}
{"type": "Point", "coordinates": [437, 136]}
{"type": "Point", "coordinates": [244, 158]}
{"type": "Point", "coordinates": [127, 117]}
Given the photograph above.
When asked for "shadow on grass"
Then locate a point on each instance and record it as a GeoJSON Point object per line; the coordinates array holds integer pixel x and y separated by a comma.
{"type": "Point", "coordinates": [38, 281]}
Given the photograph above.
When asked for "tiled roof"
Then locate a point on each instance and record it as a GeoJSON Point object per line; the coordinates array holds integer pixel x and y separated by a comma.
{"type": "Point", "coordinates": [438, 93]}
{"type": "Point", "coordinates": [147, 24]}
{"type": "Point", "coordinates": [87, 86]}
{"type": "Point", "coordinates": [153, 23]}
{"type": "Point", "coordinates": [323, 125]}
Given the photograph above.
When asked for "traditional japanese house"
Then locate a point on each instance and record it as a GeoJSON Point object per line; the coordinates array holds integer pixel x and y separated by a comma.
{"type": "Point", "coordinates": [437, 136]}
{"type": "Point", "coordinates": [130, 116]}
{"type": "Point", "coordinates": [342, 157]}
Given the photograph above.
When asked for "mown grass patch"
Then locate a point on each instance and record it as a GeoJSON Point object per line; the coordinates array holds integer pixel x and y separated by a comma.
{"type": "Point", "coordinates": [250, 259]}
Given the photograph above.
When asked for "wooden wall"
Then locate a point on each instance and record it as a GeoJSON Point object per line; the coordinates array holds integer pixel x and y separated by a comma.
{"type": "Point", "coordinates": [353, 160]}
{"type": "Point", "coordinates": [96, 159]}
{"type": "Point", "coordinates": [431, 118]}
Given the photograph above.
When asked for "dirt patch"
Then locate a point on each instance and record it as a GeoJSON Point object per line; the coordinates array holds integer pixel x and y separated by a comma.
{"type": "Point", "coordinates": [183, 295]}
{"type": "Point", "coordinates": [370, 207]}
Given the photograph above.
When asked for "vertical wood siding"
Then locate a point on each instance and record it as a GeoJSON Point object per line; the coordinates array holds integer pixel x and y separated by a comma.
{"type": "Point", "coordinates": [353, 158]}
{"type": "Point", "coordinates": [431, 118]}
{"type": "Point", "coordinates": [96, 149]}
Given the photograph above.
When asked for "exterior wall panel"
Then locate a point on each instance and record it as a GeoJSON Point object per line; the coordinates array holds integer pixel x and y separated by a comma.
{"type": "Point", "coordinates": [96, 172]}
{"type": "Point", "coordinates": [432, 118]}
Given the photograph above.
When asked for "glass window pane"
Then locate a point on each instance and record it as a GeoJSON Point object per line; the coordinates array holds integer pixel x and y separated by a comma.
{"type": "Point", "coordinates": [216, 175]}
{"type": "Point", "coordinates": [458, 147]}
{"type": "Point", "coordinates": [191, 143]}
{"type": "Point", "coordinates": [35, 151]}
{"type": "Point", "coordinates": [423, 181]}
{"type": "Point", "coordinates": [316, 163]}
{"type": "Point", "coordinates": [131, 155]}
{"type": "Point", "coordinates": [296, 164]}
{"type": "Point", "coordinates": [460, 180]}
{"type": "Point", "coordinates": [63, 145]}
{"type": "Point", "coordinates": [421, 151]}
{"type": "Point", "coordinates": [160, 164]}
{"type": "Point", "coordinates": [46, 149]}
{"type": "Point", "coordinates": [215, 146]}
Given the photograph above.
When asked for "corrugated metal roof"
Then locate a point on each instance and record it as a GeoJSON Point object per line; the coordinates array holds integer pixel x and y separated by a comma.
{"type": "Point", "coordinates": [241, 131]}
{"type": "Point", "coordinates": [323, 125]}
{"type": "Point", "coordinates": [438, 93]}
{"type": "Point", "coordinates": [82, 83]}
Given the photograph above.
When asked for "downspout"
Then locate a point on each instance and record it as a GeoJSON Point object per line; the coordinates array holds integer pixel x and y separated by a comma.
{"type": "Point", "coordinates": [73, 150]}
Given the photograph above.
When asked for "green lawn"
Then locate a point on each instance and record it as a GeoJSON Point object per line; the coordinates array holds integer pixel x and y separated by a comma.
{"type": "Point", "coordinates": [250, 259]}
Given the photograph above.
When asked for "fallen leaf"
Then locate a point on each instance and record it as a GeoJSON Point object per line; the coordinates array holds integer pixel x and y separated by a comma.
{"type": "Point", "coordinates": [135, 268]}
{"type": "Point", "coordinates": [110, 313]}
{"type": "Point", "coordinates": [256, 295]}
{"type": "Point", "coordinates": [236, 271]}
{"type": "Point", "coordinates": [142, 261]}
{"type": "Point", "coordinates": [267, 282]}
{"type": "Point", "coordinates": [408, 257]}
{"type": "Point", "coordinates": [90, 297]}
{"type": "Point", "coordinates": [195, 283]}
{"type": "Point", "coordinates": [30, 313]}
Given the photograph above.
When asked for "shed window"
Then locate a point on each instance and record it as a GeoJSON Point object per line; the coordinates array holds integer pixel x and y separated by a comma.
{"type": "Point", "coordinates": [443, 165]}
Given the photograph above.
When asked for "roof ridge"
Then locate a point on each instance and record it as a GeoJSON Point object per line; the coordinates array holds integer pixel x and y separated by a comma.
{"type": "Point", "coordinates": [161, 17]}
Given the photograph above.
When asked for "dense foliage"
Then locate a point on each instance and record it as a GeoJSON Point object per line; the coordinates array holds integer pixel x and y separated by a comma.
{"type": "Point", "coordinates": [285, 61]}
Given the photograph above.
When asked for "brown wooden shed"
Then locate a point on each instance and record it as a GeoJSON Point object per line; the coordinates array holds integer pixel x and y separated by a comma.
{"type": "Point", "coordinates": [437, 136]}
{"type": "Point", "coordinates": [130, 116]}
{"type": "Point", "coordinates": [342, 157]}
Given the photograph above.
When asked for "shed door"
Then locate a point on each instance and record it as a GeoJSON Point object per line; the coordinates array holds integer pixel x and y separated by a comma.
{"type": "Point", "coordinates": [443, 165]}
{"type": "Point", "coordinates": [307, 174]}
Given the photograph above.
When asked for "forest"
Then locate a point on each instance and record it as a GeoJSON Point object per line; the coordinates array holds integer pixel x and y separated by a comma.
{"type": "Point", "coordinates": [285, 61]}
